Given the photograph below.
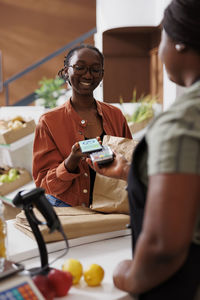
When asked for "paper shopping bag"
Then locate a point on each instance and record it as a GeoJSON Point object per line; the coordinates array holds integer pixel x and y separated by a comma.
{"type": "Point", "coordinates": [110, 195]}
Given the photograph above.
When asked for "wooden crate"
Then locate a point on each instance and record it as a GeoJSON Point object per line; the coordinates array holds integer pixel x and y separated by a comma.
{"type": "Point", "coordinates": [8, 187]}
{"type": "Point", "coordinates": [11, 135]}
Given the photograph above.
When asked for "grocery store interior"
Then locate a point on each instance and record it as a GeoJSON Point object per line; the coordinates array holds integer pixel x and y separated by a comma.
{"type": "Point", "coordinates": [34, 38]}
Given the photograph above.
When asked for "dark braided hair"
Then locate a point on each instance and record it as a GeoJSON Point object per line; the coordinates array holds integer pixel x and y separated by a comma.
{"type": "Point", "coordinates": [61, 73]}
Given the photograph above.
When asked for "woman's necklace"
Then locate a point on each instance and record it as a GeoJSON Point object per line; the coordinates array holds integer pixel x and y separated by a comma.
{"type": "Point", "coordinates": [84, 120]}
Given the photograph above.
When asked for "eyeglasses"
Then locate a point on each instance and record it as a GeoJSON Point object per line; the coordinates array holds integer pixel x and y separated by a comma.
{"type": "Point", "coordinates": [82, 69]}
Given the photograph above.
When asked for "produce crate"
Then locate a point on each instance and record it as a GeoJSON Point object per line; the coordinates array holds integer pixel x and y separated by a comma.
{"type": "Point", "coordinates": [8, 187]}
{"type": "Point", "coordinates": [8, 136]}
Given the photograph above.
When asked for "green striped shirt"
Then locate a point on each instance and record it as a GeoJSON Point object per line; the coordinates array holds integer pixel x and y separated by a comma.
{"type": "Point", "coordinates": [173, 140]}
{"type": "Point", "coordinates": [174, 137]}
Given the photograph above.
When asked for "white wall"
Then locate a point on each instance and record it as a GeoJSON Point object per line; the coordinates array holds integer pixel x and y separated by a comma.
{"type": "Point", "coordinates": [130, 13]}
{"type": "Point", "coordinates": [124, 13]}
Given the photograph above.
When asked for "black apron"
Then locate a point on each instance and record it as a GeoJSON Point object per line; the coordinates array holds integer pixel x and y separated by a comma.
{"type": "Point", "coordinates": [184, 283]}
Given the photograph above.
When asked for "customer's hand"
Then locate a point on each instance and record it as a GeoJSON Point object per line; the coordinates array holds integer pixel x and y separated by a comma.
{"type": "Point", "coordinates": [121, 273]}
{"type": "Point", "coordinates": [118, 168]}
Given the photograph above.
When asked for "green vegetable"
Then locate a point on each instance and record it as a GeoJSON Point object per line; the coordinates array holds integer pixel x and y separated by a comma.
{"type": "Point", "coordinates": [145, 109]}
{"type": "Point", "coordinates": [143, 112]}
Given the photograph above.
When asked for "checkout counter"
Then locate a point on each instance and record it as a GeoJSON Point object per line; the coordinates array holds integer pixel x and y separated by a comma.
{"type": "Point", "coordinates": [106, 249]}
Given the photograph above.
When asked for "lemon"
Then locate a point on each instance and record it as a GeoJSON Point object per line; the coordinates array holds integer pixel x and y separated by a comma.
{"type": "Point", "coordinates": [94, 275]}
{"type": "Point", "coordinates": [75, 268]}
{"type": "Point", "coordinates": [17, 118]}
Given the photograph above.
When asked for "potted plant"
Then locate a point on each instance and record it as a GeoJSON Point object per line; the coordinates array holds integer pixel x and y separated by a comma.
{"type": "Point", "coordinates": [49, 92]}
{"type": "Point", "coordinates": [144, 110]}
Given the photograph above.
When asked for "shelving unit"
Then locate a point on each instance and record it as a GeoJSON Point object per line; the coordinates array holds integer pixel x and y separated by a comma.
{"type": "Point", "coordinates": [18, 144]}
{"type": "Point", "coordinates": [9, 197]}
{"type": "Point", "coordinates": [16, 154]}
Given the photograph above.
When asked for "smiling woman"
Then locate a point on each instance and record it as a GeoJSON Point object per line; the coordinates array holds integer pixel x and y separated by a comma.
{"type": "Point", "coordinates": [59, 166]}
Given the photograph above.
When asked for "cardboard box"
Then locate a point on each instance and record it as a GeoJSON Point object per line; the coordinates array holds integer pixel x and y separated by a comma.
{"type": "Point", "coordinates": [10, 212]}
{"type": "Point", "coordinates": [12, 135]}
{"type": "Point", "coordinates": [8, 187]}
{"type": "Point", "coordinates": [76, 222]}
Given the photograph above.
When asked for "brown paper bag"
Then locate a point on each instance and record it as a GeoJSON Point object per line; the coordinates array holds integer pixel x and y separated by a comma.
{"type": "Point", "coordinates": [76, 222]}
{"type": "Point", "coordinates": [110, 195]}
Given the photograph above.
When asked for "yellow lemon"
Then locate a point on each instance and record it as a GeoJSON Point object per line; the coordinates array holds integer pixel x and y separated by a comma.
{"type": "Point", "coordinates": [94, 275]}
{"type": "Point", "coordinates": [17, 118]}
{"type": "Point", "coordinates": [75, 268]}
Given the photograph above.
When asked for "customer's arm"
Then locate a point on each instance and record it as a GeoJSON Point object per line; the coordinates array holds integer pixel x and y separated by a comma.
{"type": "Point", "coordinates": [173, 203]}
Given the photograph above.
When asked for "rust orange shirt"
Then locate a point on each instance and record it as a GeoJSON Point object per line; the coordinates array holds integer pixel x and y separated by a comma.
{"type": "Point", "coordinates": [56, 133]}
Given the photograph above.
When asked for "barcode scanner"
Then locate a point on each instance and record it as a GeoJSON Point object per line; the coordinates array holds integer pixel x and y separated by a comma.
{"type": "Point", "coordinates": [36, 197]}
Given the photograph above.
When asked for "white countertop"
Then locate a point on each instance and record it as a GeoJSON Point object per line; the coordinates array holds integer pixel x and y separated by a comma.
{"type": "Point", "coordinates": [105, 250]}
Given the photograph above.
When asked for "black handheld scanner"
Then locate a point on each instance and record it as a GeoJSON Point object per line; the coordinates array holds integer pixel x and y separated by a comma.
{"type": "Point", "coordinates": [36, 197]}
